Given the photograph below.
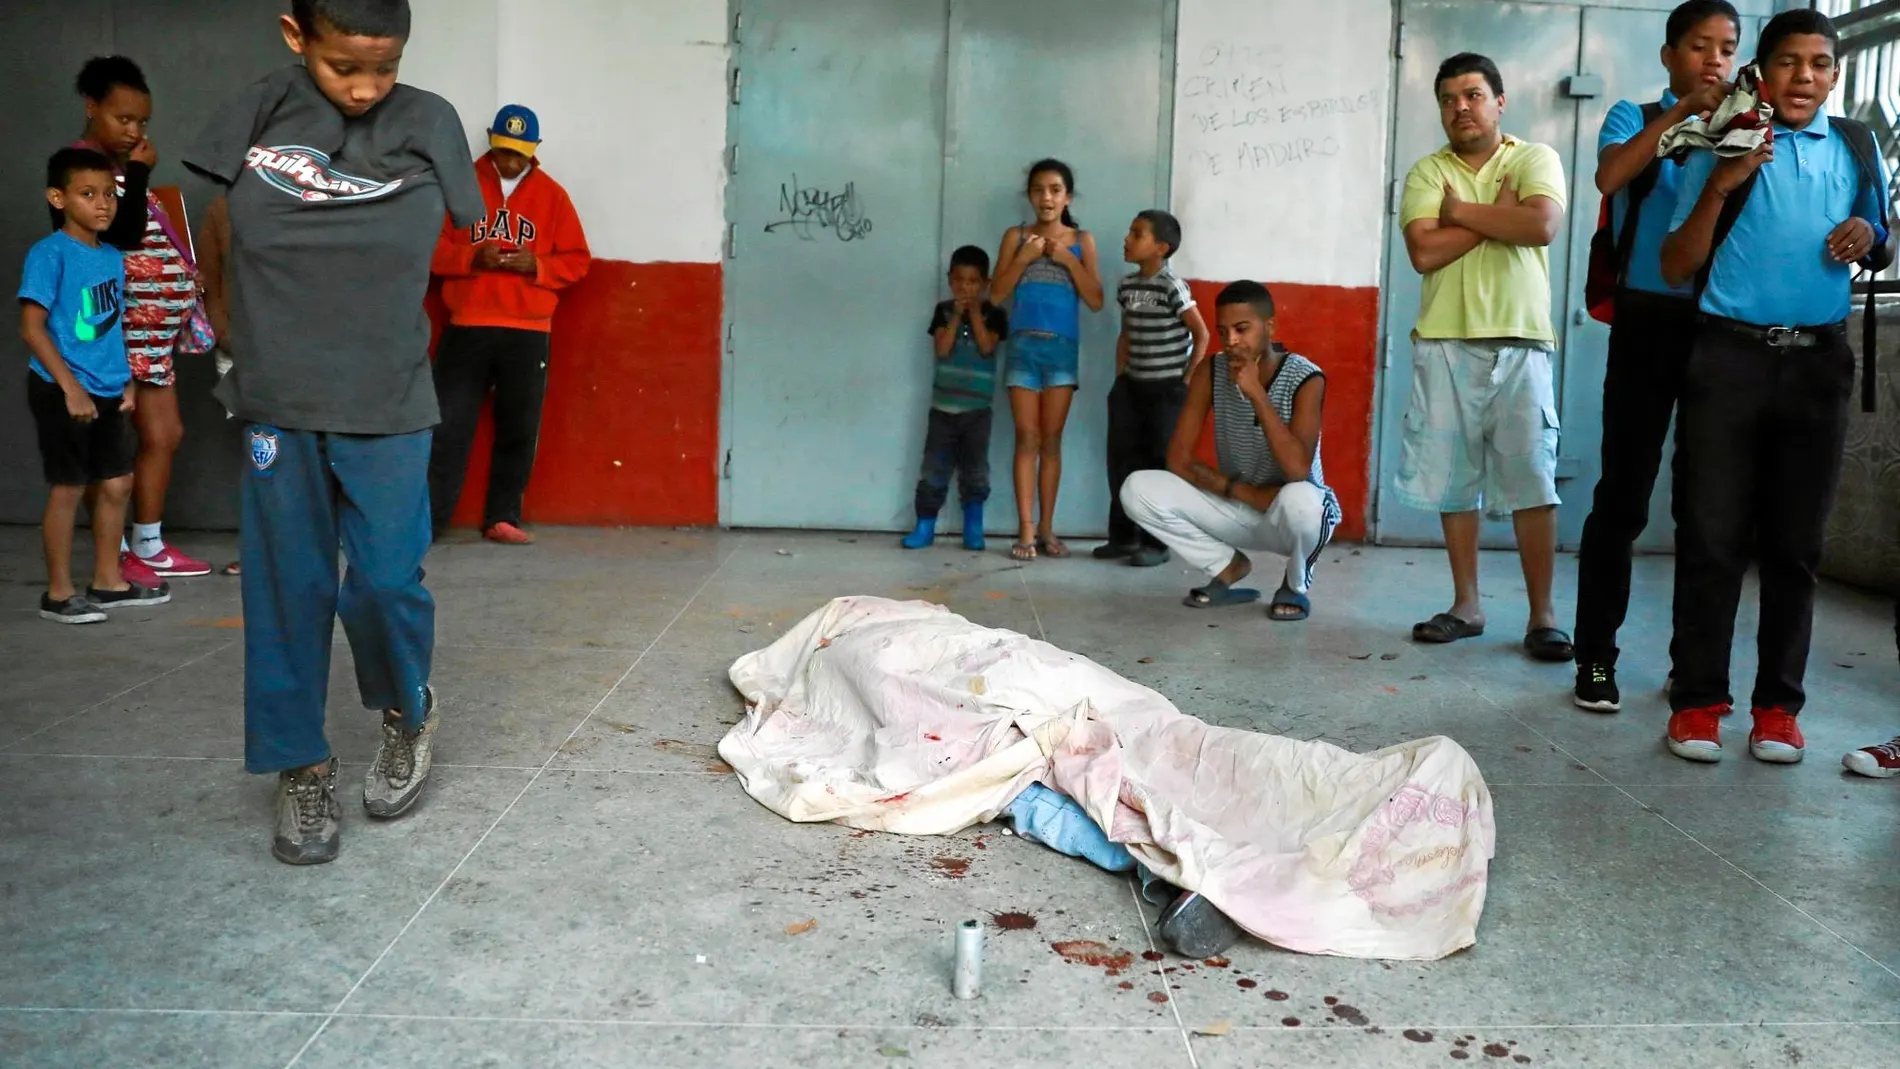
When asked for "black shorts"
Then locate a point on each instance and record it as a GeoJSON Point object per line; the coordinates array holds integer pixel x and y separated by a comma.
{"type": "Point", "coordinates": [80, 454]}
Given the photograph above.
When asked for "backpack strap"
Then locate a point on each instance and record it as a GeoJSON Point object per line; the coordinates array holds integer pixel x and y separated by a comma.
{"type": "Point", "coordinates": [1860, 141]}
{"type": "Point", "coordinates": [1634, 193]}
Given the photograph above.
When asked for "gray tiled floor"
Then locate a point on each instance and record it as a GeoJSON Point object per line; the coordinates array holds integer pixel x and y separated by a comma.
{"type": "Point", "coordinates": [586, 886]}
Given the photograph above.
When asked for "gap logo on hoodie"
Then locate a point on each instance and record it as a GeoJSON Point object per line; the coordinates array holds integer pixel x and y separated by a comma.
{"type": "Point", "coordinates": [505, 225]}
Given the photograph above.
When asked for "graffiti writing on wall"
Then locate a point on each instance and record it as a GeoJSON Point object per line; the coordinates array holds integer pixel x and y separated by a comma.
{"type": "Point", "coordinates": [807, 210]}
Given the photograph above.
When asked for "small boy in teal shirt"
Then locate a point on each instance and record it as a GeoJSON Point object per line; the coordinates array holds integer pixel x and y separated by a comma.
{"type": "Point", "coordinates": [967, 330]}
{"type": "Point", "coordinates": [79, 386]}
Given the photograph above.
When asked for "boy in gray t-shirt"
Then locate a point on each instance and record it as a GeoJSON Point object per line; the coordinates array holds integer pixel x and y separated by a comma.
{"type": "Point", "coordinates": [336, 180]}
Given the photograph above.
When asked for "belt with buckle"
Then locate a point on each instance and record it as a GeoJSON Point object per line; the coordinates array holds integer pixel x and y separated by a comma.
{"type": "Point", "coordinates": [1779, 337]}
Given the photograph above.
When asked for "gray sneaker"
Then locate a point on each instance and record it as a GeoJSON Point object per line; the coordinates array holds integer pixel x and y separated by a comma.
{"type": "Point", "coordinates": [1194, 927]}
{"type": "Point", "coordinates": [307, 816]}
{"type": "Point", "coordinates": [402, 765]}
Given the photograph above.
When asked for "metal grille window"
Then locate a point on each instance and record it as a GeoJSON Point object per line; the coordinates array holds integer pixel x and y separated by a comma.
{"type": "Point", "coordinates": [1870, 77]}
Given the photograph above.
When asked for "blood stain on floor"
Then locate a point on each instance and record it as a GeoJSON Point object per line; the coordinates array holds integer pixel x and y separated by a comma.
{"type": "Point", "coordinates": [1090, 952]}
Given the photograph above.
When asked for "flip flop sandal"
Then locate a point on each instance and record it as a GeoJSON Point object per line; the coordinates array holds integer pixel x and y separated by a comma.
{"type": "Point", "coordinates": [1053, 548]}
{"type": "Point", "coordinates": [1445, 628]}
{"type": "Point", "coordinates": [1022, 551]}
{"type": "Point", "coordinates": [1549, 644]}
{"type": "Point", "coordinates": [1288, 597]}
{"type": "Point", "coordinates": [1218, 595]}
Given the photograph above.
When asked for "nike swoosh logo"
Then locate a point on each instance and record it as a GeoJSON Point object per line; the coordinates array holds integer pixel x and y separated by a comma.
{"type": "Point", "coordinates": [91, 325]}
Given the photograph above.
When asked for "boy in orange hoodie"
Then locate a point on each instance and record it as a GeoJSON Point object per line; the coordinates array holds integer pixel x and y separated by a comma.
{"type": "Point", "coordinates": [501, 281]}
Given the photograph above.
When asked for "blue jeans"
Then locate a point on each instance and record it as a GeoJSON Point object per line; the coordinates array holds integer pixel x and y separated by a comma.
{"type": "Point", "coordinates": [305, 494]}
{"type": "Point", "coordinates": [959, 443]}
{"type": "Point", "coordinates": [1060, 823]}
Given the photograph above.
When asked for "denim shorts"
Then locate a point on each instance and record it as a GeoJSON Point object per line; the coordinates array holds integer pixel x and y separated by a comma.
{"type": "Point", "coordinates": [1480, 429]}
{"type": "Point", "coordinates": [1041, 362]}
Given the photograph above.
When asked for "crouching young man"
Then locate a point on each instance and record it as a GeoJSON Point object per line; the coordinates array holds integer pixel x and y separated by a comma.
{"type": "Point", "coordinates": [1268, 492]}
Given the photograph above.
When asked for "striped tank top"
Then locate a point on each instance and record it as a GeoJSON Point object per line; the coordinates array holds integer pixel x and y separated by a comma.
{"type": "Point", "coordinates": [159, 292]}
{"type": "Point", "coordinates": [1241, 446]}
{"type": "Point", "coordinates": [1045, 301]}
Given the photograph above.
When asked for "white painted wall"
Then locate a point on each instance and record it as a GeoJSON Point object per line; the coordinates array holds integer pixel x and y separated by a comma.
{"type": "Point", "coordinates": [1280, 130]}
{"type": "Point", "coordinates": [1281, 122]}
{"type": "Point", "coordinates": [451, 51]}
{"type": "Point", "coordinates": [631, 98]}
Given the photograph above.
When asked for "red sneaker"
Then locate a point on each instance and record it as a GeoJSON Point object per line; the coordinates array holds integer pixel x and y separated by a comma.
{"type": "Point", "coordinates": [1776, 738]}
{"type": "Point", "coordinates": [1696, 734]}
{"type": "Point", "coordinates": [169, 562]}
{"type": "Point", "coordinates": [1880, 761]}
{"type": "Point", "coordinates": [508, 535]}
{"type": "Point", "coordinates": [137, 572]}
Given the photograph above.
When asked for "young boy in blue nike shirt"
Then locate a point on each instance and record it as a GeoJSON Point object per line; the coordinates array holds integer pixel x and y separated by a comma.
{"type": "Point", "coordinates": [79, 387]}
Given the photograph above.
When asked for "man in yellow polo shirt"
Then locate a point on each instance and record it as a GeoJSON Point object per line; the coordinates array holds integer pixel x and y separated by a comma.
{"type": "Point", "coordinates": [1481, 427]}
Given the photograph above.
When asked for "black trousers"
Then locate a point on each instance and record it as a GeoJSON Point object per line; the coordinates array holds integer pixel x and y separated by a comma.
{"type": "Point", "coordinates": [1141, 419]}
{"type": "Point", "coordinates": [1758, 457]}
{"type": "Point", "coordinates": [1649, 349]}
{"type": "Point", "coordinates": [470, 362]}
{"type": "Point", "coordinates": [956, 442]}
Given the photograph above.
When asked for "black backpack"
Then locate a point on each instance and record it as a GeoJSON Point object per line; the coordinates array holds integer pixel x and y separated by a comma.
{"type": "Point", "coordinates": [1860, 141]}
{"type": "Point", "coordinates": [1610, 246]}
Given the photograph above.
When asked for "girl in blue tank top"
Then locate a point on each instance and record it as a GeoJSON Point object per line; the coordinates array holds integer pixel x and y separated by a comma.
{"type": "Point", "coordinates": [1047, 270]}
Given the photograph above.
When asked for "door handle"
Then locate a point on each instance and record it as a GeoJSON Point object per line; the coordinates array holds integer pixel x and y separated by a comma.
{"type": "Point", "coordinates": [1583, 86]}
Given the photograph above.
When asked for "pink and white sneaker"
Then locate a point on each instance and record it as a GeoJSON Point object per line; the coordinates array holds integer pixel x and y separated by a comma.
{"type": "Point", "coordinates": [135, 571]}
{"type": "Point", "coordinates": [172, 564]}
{"type": "Point", "coordinates": [1880, 761]}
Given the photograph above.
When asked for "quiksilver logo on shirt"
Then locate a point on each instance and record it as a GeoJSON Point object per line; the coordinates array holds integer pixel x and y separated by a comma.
{"type": "Point", "coordinates": [306, 173]}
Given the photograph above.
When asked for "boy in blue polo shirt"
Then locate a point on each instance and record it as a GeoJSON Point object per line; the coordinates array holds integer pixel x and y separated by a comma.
{"type": "Point", "coordinates": [1653, 332]}
{"type": "Point", "coordinates": [1770, 239]}
{"type": "Point", "coordinates": [80, 386]}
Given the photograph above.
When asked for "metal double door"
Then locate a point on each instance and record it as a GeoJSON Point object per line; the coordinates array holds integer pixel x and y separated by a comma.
{"type": "Point", "coordinates": [870, 138]}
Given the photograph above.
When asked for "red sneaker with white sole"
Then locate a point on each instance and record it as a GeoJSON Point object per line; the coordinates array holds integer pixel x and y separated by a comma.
{"type": "Point", "coordinates": [137, 572]}
{"type": "Point", "coordinates": [1776, 737]}
{"type": "Point", "coordinates": [1696, 734]}
{"type": "Point", "coordinates": [1880, 762]}
{"type": "Point", "coordinates": [173, 564]}
{"type": "Point", "coordinates": [508, 535]}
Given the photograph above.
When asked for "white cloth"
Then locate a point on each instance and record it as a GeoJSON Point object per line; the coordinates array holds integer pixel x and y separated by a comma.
{"type": "Point", "coordinates": [1205, 530]}
{"type": "Point", "coordinates": [508, 185]}
{"type": "Point", "coordinates": [903, 717]}
{"type": "Point", "coordinates": [1737, 126]}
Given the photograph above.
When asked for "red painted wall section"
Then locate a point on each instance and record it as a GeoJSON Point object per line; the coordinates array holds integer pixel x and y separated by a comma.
{"type": "Point", "coordinates": [630, 430]}
{"type": "Point", "coordinates": [1336, 327]}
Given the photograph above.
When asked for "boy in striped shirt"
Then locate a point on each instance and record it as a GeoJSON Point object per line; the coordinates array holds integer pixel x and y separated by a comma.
{"type": "Point", "coordinates": [1163, 339]}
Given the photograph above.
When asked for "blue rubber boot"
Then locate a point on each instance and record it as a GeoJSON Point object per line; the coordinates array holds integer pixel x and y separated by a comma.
{"type": "Point", "coordinates": [973, 526]}
{"type": "Point", "coordinates": [923, 536]}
